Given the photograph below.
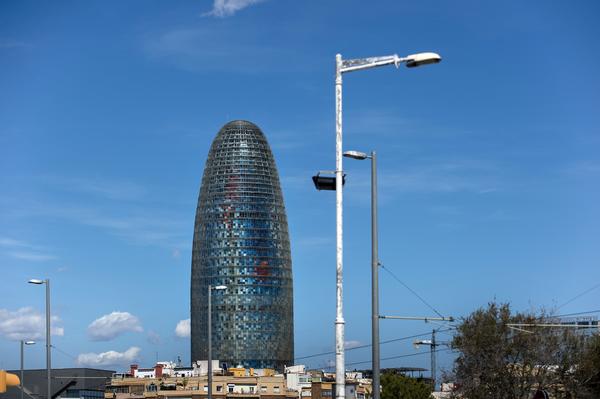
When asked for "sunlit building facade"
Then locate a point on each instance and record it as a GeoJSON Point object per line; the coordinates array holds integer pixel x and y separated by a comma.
{"type": "Point", "coordinates": [241, 241]}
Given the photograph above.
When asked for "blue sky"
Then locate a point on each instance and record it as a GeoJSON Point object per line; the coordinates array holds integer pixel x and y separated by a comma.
{"type": "Point", "coordinates": [488, 162]}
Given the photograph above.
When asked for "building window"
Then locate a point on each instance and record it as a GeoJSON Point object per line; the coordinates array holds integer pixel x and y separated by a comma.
{"type": "Point", "coordinates": [230, 388]}
{"type": "Point", "coordinates": [206, 388]}
{"type": "Point", "coordinates": [263, 388]}
{"type": "Point", "coordinates": [276, 389]}
{"type": "Point", "coordinates": [219, 388]}
{"type": "Point", "coordinates": [136, 389]}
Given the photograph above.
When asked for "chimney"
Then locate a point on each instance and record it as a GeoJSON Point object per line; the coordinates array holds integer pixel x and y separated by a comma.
{"type": "Point", "coordinates": [132, 369]}
{"type": "Point", "coordinates": [158, 370]}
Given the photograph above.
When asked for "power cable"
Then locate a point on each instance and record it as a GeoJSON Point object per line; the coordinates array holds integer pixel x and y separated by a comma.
{"type": "Point", "coordinates": [397, 357]}
{"type": "Point", "coordinates": [411, 290]}
{"type": "Point", "coordinates": [579, 295]}
{"type": "Point", "coordinates": [63, 352]}
{"type": "Point", "coordinates": [573, 314]}
{"type": "Point", "coordinates": [369, 345]}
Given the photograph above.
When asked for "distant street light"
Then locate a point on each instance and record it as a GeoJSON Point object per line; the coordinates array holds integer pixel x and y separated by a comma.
{"type": "Point", "coordinates": [375, 356]}
{"type": "Point", "coordinates": [432, 345]}
{"type": "Point", "coordinates": [210, 289]}
{"type": "Point", "coordinates": [48, 343]}
{"type": "Point", "coordinates": [341, 67]}
{"type": "Point", "coordinates": [23, 343]}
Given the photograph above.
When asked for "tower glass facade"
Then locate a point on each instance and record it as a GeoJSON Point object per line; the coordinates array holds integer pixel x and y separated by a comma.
{"type": "Point", "coordinates": [241, 241]}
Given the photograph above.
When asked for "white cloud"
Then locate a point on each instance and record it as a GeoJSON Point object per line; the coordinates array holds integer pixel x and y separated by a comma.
{"type": "Point", "coordinates": [226, 8]}
{"type": "Point", "coordinates": [582, 169]}
{"type": "Point", "coordinates": [100, 188]}
{"type": "Point", "coordinates": [351, 344]}
{"type": "Point", "coordinates": [313, 241]}
{"type": "Point", "coordinates": [27, 323]}
{"type": "Point", "coordinates": [31, 256]}
{"type": "Point", "coordinates": [11, 242]}
{"type": "Point", "coordinates": [109, 358]}
{"type": "Point", "coordinates": [23, 250]}
{"type": "Point", "coordinates": [9, 43]}
{"type": "Point", "coordinates": [183, 329]}
{"type": "Point", "coordinates": [153, 337]}
{"type": "Point", "coordinates": [209, 47]}
{"type": "Point", "coordinates": [112, 325]}
{"type": "Point", "coordinates": [130, 223]}
{"type": "Point", "coordinates": [204, 49]}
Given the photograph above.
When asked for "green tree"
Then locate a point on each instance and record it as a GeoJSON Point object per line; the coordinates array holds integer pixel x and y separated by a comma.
{"type": "Point", "coordinates": [588, 370]}
{"type": "Point", "coordinates": [395, 386]}
{"type": "Point", "coordinates": [499, 362]}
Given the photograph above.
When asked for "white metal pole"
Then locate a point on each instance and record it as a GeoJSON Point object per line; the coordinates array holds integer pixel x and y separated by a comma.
{"type": "Point", "coordinates": [209, 342]}
{"type": "Point", "coordinates": [48, 343]}
{"type": "Point", "coordinates": [340, 372]}
{"type": "Point", "coordinates": [21, 384]}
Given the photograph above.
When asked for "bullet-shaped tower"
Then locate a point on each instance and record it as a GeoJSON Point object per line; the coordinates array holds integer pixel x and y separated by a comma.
{"type": "Point", "coordinates": [241, 241]}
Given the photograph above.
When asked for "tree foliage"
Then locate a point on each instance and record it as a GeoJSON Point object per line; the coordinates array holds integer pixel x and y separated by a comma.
{"type": "Point", "coordinates": [588, 372]}
{"type": "Point", "coordinates": [499, 362]}
{"type": "Point", "coordinates": [395, 386]}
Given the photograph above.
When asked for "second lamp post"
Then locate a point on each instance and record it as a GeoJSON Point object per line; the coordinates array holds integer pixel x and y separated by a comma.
{"type": "Point", "coordinates": [48, 343]}
{"type": "Point", "coordinates": [374, 269]}
{"type": "Point", "coordinates": [210, 288]}
{"type": "Point", "coordinates": [23, 343]}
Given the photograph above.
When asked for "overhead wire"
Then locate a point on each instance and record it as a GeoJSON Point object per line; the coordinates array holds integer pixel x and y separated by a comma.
{"type": "Point", "coordinates": [579, 295]}
{"type": "Point", "coordinates": [391, 340]}
{"type": "Point", "coordinates": [411, 290]}
{"type": "Point", "coordinates": [397, 357]}
{"type": "Point", "coordinates": [369, 345]}
{"type": "Point", "coordinates": [576, 313]}
{"type": "Point", "coordinates": [63, 352]}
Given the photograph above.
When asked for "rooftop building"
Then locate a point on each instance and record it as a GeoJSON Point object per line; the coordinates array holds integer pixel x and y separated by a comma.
{"type": "Point", "coordinates": [84, 383]}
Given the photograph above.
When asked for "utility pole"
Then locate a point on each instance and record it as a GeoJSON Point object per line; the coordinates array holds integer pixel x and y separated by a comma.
{"type": "Point", "coordinates": [433, 363]}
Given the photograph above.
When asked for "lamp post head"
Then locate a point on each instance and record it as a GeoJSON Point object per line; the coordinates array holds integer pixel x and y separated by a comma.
{"type": "Point", "coordinates": [219, 287]}
{"type": "Point", "coordinates": [36, 281]}
{"type": "Point", "coordinates": [416, 344]}
{"type": "Point", "coordinates": [415, 60]}
{"type": "Point", "coordinates": [29, 342]}
{"type": "Point", "coordinates": [356, 155]}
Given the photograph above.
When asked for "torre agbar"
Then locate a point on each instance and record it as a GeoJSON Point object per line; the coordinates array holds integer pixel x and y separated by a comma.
{"type": "Point", "coordinates": [241, 242]}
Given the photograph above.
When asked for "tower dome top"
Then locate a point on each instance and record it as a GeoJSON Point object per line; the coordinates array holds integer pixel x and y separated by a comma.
{"type": "Point", "coordinates": [240, 123]}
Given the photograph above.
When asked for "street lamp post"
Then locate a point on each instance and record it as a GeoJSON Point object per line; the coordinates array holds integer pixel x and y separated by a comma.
{"type": "Point", "coordinates": [210, 288]}
{"type": "Point", "coordinates": [432, 345]}
{"type": "Point", "coordinates": [375, 357]}
{"type": "Point", "coordinates": [341, 67]}
{"type": "Point", "coordinates": [23, 343]}
{"type": "Point", "coordinates": [48, 343]}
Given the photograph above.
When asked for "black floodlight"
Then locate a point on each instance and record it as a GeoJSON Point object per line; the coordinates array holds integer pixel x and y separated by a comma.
{"type": "Point", "coordinates": [326, 182]}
